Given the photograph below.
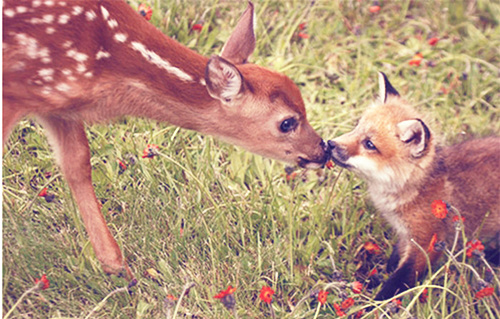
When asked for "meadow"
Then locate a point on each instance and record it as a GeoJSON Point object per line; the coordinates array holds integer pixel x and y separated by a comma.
{"type": "Point", "coordinates": [207, 215]}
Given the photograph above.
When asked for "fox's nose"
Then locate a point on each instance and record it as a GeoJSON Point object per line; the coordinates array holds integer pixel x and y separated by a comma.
{"type": "Point", "coordinates": [331, 145]}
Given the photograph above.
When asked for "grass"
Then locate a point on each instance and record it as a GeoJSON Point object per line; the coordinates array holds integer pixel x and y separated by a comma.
{"type": "Point", "coordinates": [243, 224]}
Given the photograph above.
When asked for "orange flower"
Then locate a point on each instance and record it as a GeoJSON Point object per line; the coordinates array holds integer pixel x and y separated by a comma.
{"type": "Point", "coordinates": [43, 192]}
{"type": "Point", "coordinates": [372, 248]}
{"type": "Point", "coordinates": [423, 296]}
{"type": "Point", "coordinates": [197, 27]}
{"type": "Point", "coordinates": [472, 246]}
{"type": "Point", "coordinates": [302, 26]}
{"type": "Point", "coordinates": [145, 11]}
{"type": "Point", "coordinates": [397, 302]}
{"type": "Point", "coordinates": [44, 281]}
{"type": "Point", "coordinates": [266, 294]}
{"type": "Point", "coordinates": [338, 310]}
{"type": "Point", "coordinates": [329, 164]}
{"type": "Point", "coordinates": [433, 41]}
{"type": "Point", "coordinates": [439, 209]}
{"type": "Point", "coordinates": [457, 218]}
{"type": "Point", "coordinates": [122, 165]}
{"type": "Point", "coordinates": [322, 296]}
{"type": "Point", "coordinates": [291, 176]}
{"type": "Point", "coordinates": [485, 292]}
{"type": "Point", "coordinates": [417, 59]}
{"type": "Point", "coordinates": [357, 287]}
{"type": "Point", "coordinates": [229, 291]}
{"type": "Point", "coordinates": [171, 297]}
{"type": "Point", "coordinates": [150, 151]}
{"type": "Point", "coordinates": [303, 35]}
{"type": "Point", "coordinates": [374, 9]}
{"type": "Point", "coordinates": [432, 243]}
{"type": "Point", "coordinates": [346, 304]}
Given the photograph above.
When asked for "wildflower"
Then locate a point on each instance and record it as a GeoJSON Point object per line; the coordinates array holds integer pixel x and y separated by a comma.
{"type": "Point", "coordinates": [373, 272]}
{"type": "Point", "coordinates": [338, 310]}
{"type": "Point", "coordinates": [485, 292]}
{"type": "Point", "coordinates": [266, 294]}
{"type": "Point", "coordinates": [374, 8]}
{"type": "Point", "coordinates": [417, 59]}
{"type": "Point", "coordinates": [359, 314]}
{"type": "Point", "coordinates": [45, 282]}
{"type": "Point", "coordinates": [150, 151]}
{"type": "Point", "coordinates": [457, 219]}
{"type": "Point", "coordinates": [439, 209]}
{"type": "Point", "coordinates": [357, 287]}
{"type": "Point", "coordinates": [145, 11]}
{"type": "Point", "coordinates": [372, 248]}
{"type": "Point", "coordinates": [432, 243]}
{"type": "Point", "coordinates": [322, 296]}
{"type": "Point", "coordinates": [197, 27]}
{"type": "Point", "coordinates": [423, 296]}
{"type": "Point", "coordinates": [303, 35]}
{"type": "Point", "coordinates": [302, 26]}
{"type": "Point", "coordinates": [43, 192]}
{"type": "Point", "coordinates": [291, 177]}
{"type": "Point", "coordinates": [433, 41]}
{"type": "Point", "coordinates": [474, 247]}
{"type": "Point", "coordinates": [227, 297]}
{"type": "Point", "coordinates": [122, 165]}
{"type": "Point", "coordinates": [169, 301]}
{"type": "Point", "coordinates": [329, 164]}
{"type": "Point", "coordinates": [346, 304]}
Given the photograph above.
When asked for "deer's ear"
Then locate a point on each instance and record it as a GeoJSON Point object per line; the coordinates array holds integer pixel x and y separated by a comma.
{"type": "Point", "coordinates": [416, 135]}
{"type": "Point", "coordinates": [224, 81]}
{"type": "Point", "coordinates": [385, 88]}
{"type": "Point", "coordinates": [241, 43]}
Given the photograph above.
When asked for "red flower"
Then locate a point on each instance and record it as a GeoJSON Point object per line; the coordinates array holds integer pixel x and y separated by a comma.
{"type": "Point", "coordinates": [43, 192]}
{"type": "Point", "coordinates": [338, 310]}
{"type": "Point", "coordinates": [374, 9]}
{"type": "Point", "coordinates": [150, 151]}
{"type": "Point", "coordinates": [291, 176]}
{"type": "Point", "coordinates": [432, 243]}
{"type": "Point", "coordinates": [266, 294]}
{"type": "Point", "coordinates": [439, 209]}
{"type": "Point", "coordinates": [322, 296]}
{"type": "Point", "coordinates": [473, 246]}
{"type": "Point", "coordinates": [433, 41]}
{"type": "Point", "coordinates": [359, 314]}
{"type": "Point", "coordinates": [423, 296]}
{"type": "Point", "coordinates": [372, 248]}
{"type": "Point", "coordinates": [373, 272]}
{"type": "Point", "coordinates": [346, 304]}
{"type": "Point", "coordinates": [197, 27]}
{"type": "Point", "coordinates": [357, 287]}
{"type": "Point", "coordinates": [171, 297]}
{"type": "Point", "coordinates": [417, 59]}
{"type": "Point", "coordinates": [329, 164]}
{"type": "Point", "coordinates": [302, 26]}
{"type": "Point", "coordinates": [457, 218]}
{"type": "Point", "coordinates": [145, 11]}
{"type": "Point", "coordinates": [303, 35]}
{"type": "Point", "coordinates": [485, 292]}
{"type": "Point", "coordinates": [122, 165]}
{"type": "Point", "coordinates": [397, 302]}
{"type": "Point", "coordinates": [229, 291]}
{"type": "Point", "coordinates": [44, 280]}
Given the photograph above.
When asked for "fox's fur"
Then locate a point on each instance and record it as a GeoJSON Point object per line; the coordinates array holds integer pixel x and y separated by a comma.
{"type": "Point", "coordinates": [406, 170]}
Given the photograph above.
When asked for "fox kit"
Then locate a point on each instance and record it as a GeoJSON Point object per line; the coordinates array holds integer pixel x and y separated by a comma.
{"type": "Point", "coordinates": [396, 153]}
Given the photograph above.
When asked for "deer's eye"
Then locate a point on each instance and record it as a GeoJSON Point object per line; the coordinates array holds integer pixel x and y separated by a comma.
{"type": "Point", "coordinates": [369, 145]}
{"type": "Point", "coordinates": [288, 125]}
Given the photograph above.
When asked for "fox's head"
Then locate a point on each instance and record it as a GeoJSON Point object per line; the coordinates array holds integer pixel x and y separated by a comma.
{"type": "Point", "coordinates": [389, 146]}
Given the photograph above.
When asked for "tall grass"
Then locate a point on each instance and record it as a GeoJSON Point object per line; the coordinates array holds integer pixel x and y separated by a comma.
{"type": "Point", "coordinates": [208, 213]}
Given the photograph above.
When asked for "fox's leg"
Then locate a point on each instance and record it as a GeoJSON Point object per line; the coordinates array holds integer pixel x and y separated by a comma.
{"type": "Point", "coordinates": [412, 265]}
{"type": "Point", "coordinates": [71, 148]}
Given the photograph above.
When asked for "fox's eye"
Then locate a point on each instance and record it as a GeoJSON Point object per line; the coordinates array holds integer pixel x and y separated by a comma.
{"type": "Point", "coordinates": [288, 125]}
{"type": "Point", "coordinates": [369, 145]}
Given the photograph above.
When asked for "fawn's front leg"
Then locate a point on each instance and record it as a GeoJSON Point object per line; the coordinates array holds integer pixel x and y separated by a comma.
{"type": "Point", "coordinates": [71, 148]}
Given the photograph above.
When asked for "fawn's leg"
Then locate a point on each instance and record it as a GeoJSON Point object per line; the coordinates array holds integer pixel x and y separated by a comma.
{"type": "Point", "coordinates": [71, 147]}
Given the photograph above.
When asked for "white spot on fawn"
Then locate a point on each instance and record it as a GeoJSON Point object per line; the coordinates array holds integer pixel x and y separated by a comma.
{"type": "Point", "coordinates": [102, 54]}
{"type": "Point", "coordinates": [80, 68]}
{"type": "Point", "coordinates": [159, 62]}
{"type": "Point", "coordinates": [49, 3]}
{"type": "Point", "coordinates": [112, 23]}
{"type": "Point", "coordinates": [105, 13]}
{"type": "Point", "coordinates": [63, 87]}
{"type": "Point", "coordinates": [32, 48]}
{"type": "Point", "coordinates": [77, 10]}
{"type": "Point", "coordinates": [62, 4]}
{"type": "Point", "coordinates": [78, 56]}
{"type": "Point", "coordinates": [46, 74]}
{"type": "Point", "coordinates": [36, 3]}
{"type": "Point", "coordinates": [50, 30]}
{"type": "Point", "coordinates": [90, 15]}
{"type": "Point", "coordinates": [88, 74]}
{"type": "Point", "coordinates": [21, 9]}
{"type": "Point", "coordinates": [63, 19]}
{"type": "Point", "coordinates": [47, 18]}
{"type": "Point", "coordinates": [67, 44]}
{"type": "Point", "coordinates": [67, 72]}
{"type": "Point", "coordinates": [120, 37]}
{"type": "Point", "coordinates": [9, 13]}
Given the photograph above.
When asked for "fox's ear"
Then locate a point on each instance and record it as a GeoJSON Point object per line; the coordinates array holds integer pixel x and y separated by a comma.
{"type": "Point", "coordinates": [416, 135]}
{"type": "Point", "coordinates": [224, 81]}
{"type": "Point", "coordinates": [385, 88]}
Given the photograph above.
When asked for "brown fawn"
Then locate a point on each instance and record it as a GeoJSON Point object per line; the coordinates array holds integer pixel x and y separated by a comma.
{"type": "Point", "coordinates": [406, 170]}
{"type": "Point", "coordinates": [77, 62]}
